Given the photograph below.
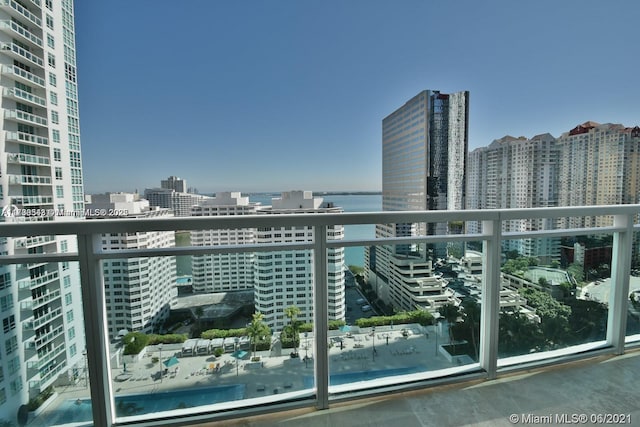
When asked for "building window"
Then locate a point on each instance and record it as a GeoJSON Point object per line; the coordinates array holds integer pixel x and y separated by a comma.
{"type": "Point", "coordinates": [6, 302]}
{"type": "Point", "coordinates": [50, 41]}
{"type": "Point", "coordinates": [51, 59]}
{"type": "Point", "coordinates": [10, 345]}
{"type": "Point", "coordinates": [58, 173]}
{"type": "Point", "coordinates": [55, 118]}
{"type": "Point", "coordinates": [53, 98]}
{"type": "Point", "coordinates": [57, 155]}
{"type": "Point", "coordinates": [55, 135]}
{"type": "Point", "coordinates": [49, 22]}
{"type": "Point", "coordinates": [53, 81]}
{"type": "Point", "coordinates": [8, 324]}
{"type": "Point", "coordinates": [59, 191]}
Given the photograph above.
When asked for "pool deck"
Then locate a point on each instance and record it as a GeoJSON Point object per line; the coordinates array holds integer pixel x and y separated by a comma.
{"type": "Point", "coordinates": [274, 374]}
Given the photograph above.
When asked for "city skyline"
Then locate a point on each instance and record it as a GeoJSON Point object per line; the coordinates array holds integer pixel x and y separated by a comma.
{"type": "Point", "coordinates": [254, 97]}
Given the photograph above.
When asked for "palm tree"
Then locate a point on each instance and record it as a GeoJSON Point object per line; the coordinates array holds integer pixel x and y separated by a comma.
{"type": "Point", "coordinates": [257, 329]}
{"type": "Point", "coordinates": [292, 313]}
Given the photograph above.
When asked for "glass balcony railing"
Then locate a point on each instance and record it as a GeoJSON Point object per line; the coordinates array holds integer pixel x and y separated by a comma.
{"type": "Point", "coordinates": [21, 158]}
{"type": "Point", "coordinates": [22, 75]}
{"type": "Point", "coordinates": [15, 8]}
{"type": "Point", "coordinates": [27, 118]}
{"type": "Point", "coordinates": [22, 31]}
{"type": "Point", "coordinates": [276, 325]}
{"type": "Point", "coordinates": [25, 96]}
{"type": "Point", "coordinates": [22, 53]}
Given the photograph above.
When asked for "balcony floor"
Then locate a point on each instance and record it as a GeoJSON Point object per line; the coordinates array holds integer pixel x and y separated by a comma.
{"type": "Point", "coordinates": [599, 385]}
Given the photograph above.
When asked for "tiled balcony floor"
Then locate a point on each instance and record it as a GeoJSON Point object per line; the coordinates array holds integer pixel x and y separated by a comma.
{"type": "Point", "coordinates": [598, 385]}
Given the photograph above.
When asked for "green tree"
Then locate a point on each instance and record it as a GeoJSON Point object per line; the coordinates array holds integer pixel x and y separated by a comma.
{"type": "Point", "coordinates": [256, 330]}
{"type": "Point", "coordinates": [292, 312]}
{"type": "Point", "coordinates": [518, 335]}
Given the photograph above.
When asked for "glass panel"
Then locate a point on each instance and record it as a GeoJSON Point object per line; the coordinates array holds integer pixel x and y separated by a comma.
{"type": "Point", "coordinates": [562, 286]}
{"type": "Point", "coordinates": [633, 317]}
{"type": "Point", "coordinates": [41, 310]}
{"type": "Point", "coordinates": [391, 332]}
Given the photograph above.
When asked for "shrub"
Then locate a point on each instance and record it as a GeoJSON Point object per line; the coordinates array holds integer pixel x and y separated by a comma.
{"type": "Point", "coordinates": [421, 317]}
{"type": "Point", "coordinates": [223, 333]}
{"type": "Point", "coordinates": [37, 401]}
{"type": "Point", "coordinates": [166, 339]}
{"type": "Point", "coordinates": [134, 342]}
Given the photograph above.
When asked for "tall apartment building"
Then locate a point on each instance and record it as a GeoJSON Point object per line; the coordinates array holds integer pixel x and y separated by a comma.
{"type": "Point", "coordinates": [173, 195]}
{"type": "Point", "coordinates": [599, 165]}
{"type": "Point", "coordinates": [517, 173]}
{"type": "Point", "coordinates": [424, 150]}
{"type": "Point", "coordinates": [138, 291]}
{"type": "Point", "coordinates": [40, 303]}
{"type": "Point", "coordinates": [223, 272]}
{"type": "Point", "coordinates": [285, 278]}
{"type": "Point", "coordinates": [174, 183]}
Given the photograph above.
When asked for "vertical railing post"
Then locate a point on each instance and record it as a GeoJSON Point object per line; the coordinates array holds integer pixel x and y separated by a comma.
{"type": "Point", "coordinates": [490, 306]}
{"type": "Point", "coordinates": [320, 312]}
{"type": "Point", "coordinates": [95, 329]}
{"type": "Point", "coordinates": [620, 270]}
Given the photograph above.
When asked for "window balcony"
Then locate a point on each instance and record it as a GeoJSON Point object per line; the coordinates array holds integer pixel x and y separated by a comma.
{"type": "Point", "coordinates": [32, 200]}
{"type": "Point", "coordinates": [28, 159]}
{"type": "Point", "coordinates": [12, 28]}
{"type": "Point", "coordinates": [22, 76]}
{"type": "Point", "coordinates": [18, 11]}
{"type": "Point", "coordinates": [24, 117]}
{"type": "Point", "coordinates": [27, 138]}
{"type": "Point", "coordinates": [21, 95]}
{"type": "Point", "coordinates": [327, 366]}
{"type": "Point", "coordinates": [29, 179]}
{"type": "Point", "coordinates": [16, 52]}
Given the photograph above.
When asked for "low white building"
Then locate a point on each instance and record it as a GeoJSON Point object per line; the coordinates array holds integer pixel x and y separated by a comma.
{"type": "Point", "coordinates": [138, 291]}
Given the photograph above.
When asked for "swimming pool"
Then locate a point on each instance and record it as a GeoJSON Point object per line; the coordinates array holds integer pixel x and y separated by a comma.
{"type": "Point", "coordinates": [79, 411]}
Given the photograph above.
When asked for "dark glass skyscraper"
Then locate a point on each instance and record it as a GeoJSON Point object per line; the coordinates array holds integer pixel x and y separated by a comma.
{"type": "Point", "coordinates": [424, 147]}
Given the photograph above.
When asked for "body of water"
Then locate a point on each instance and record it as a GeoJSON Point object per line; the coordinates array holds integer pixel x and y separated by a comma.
{"type": "Point", "coordinates": [350, 203]}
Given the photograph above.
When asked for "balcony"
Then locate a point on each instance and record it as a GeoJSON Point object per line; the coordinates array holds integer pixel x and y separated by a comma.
{"type": "Point", "coordinates": [18, 11]}
{"type": "Point", "coordinates": [22, 76]}
{"type": "Point", "coordinates": [32, 200]}
{"type": "Point", "coordinates": [376, 360]}
{"type": "Point", "coordinates": [29, 179]}
{"type": "Point", "coordinates": [27, 138]}
{"type": "Point", "coordinates": [16, 52]}
{"type": "Point", "coordinates": [28, 159]}
{"type": "Point", "coordinates": [12, 28]}
{"type": "Point", "coordinates": [21, 95]}
{"type": "Point", "coordinates": [24, 117]}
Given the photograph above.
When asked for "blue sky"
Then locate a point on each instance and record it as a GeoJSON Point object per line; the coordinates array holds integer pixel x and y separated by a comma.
{"type": "Point", "coordinates": [279, 95]}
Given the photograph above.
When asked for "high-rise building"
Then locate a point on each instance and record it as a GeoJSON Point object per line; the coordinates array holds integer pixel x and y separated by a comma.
{"type": "Point", "coordinates": [139, 292]}
{"type": "Point", "coordinates": [516, 173]}
{"type": "Point", "coordinates": [223, 272]}
{"type": "Point", "coordinates": [174, 183]}
{"type": "Point", "coordinates": [285, 278]}
{"type": "Point", "coordinates": [40, 303]}
{"type": "Point", "coordinates": [599, 165]}
{"type": "Point", "coordinates": [424, 149]}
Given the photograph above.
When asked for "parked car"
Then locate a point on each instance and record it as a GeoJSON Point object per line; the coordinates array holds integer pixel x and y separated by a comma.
{"type": "Point", "coordinates": [366, 308]}
{"type": "Point", "coordinates": [360, 301]}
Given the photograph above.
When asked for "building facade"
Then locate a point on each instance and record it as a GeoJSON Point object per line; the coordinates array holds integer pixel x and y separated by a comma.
{"type": "Point", "coordinates": [223, 272]}
{"type": "Point", "coordinates": [139, 292]}
{"type": "Point", "coordinates": [424, 150]}
{"type": "Point", "coordinates": [285, 278]}
{"type": "Point", "coordinates": [42, 335]}
{"type": "Point", "coordinates": [599, 165]}
{"type": "Point", "coordinates": [517, 173]}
